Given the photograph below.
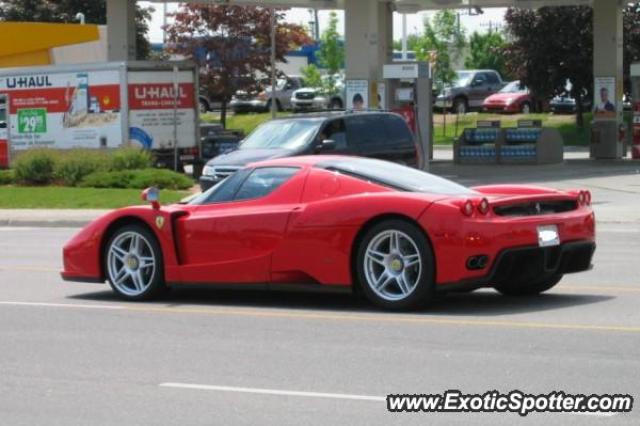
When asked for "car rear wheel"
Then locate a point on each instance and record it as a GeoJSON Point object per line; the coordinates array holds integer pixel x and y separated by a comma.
{"type": "Point", "coordinates": [395, 266]}
{"type": "Point", "coordinates": [460, 106]}
{"type": "Point", "coordinates": [133, 262]}
{"type": "Point", "coordinates": [530, 289]}
{"type": "Point", "coordinates": [525, 108]}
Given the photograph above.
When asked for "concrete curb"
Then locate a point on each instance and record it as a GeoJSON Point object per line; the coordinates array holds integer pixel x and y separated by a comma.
{"type": "Point", "coordinates": [43, 223]}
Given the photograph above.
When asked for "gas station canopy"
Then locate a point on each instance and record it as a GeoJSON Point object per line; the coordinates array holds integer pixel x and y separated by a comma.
{"type": "Point", "coordinates": [403, 6]}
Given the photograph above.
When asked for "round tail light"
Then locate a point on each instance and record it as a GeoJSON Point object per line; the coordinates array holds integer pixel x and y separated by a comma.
{"type": "Point", "coordinates": [483, 207]}
{"type": "Point", "coordinates": [587, 197]}
{"type": "Point", "coordinates": [467, 208]}
{"type": "Point", "coordinates": [581, 198]}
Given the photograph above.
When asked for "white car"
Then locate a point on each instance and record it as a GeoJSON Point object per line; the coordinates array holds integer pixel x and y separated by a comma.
{"type": "Point", "coordinates": [317, 98]}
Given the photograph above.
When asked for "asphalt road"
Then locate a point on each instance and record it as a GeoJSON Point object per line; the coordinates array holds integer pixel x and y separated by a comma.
{"type": "Point", "coordinates": [73, 354]}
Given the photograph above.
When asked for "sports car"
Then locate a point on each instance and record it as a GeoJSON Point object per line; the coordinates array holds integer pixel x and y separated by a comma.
{"type": "Point", "coordinates": [396, 234]}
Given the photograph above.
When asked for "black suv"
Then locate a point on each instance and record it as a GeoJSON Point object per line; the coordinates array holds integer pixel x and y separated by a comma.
{"type": "Point", "coordinates": [380, 135]}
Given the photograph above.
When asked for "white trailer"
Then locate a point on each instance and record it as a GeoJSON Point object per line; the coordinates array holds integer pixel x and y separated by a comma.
{"type": "Point", "coordinates": [103, 105]}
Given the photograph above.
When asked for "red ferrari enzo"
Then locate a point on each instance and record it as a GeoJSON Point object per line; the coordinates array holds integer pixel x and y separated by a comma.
{"type": "Point", "coordinates": [394, 233]}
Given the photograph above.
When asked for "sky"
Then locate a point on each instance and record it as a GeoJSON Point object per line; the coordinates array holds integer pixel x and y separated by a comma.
{"type": "Point", "coordinates": [480, 23]}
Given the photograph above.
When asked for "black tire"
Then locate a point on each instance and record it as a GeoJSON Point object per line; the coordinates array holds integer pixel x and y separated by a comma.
{"type": "Point", "coordinates": [530, 289]}
{"type": "Point", "coordinates": [203, 106]}
{"type": "Point", "coordinates": [157, 285]}
{"type": "Point", "coordinates": [525, 108]}
{"type": "Point", "coordinates": [460, 106]}
{"type": "Point", "coordinates": [423, 292]}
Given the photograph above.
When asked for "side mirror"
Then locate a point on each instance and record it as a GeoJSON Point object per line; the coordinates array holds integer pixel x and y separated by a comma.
{"type": "Point", "coordinates": [327, 145]}
{"type": "Point", "coordinates": [152, 196]}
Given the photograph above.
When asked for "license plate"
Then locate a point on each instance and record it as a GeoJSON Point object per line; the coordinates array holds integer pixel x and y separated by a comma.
{"type": "Point", "coordinates": [548, 236]}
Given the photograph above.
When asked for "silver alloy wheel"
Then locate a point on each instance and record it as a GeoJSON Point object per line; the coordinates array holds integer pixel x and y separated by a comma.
{"type": "Point", "coordinates": [526, 109]}
{"type": "Point", "coordinates": [392, 265]}
{"type": "Point", "coordinates": [131, 263]}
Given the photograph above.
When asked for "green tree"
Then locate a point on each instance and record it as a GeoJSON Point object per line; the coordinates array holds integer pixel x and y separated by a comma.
{"type": "Point", "coordinates": [231, 44]}
{"type": "Point", "coordinates": [550, 46]}
{"type": "Point", "coordinates": [311, 75]}
{"type": "Point", "coordinates": [331, 52]}
{"type": "Point", "coordinates": [95, 12]}
{"type": "Point", "coordinates": [441, 43]}
{"type": "Point", "coordinates": [486, 52]}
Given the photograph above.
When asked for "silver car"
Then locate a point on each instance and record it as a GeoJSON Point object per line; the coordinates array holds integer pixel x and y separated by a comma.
{"type": "Point", "coordinates": [243, 102]}
{"type": "Point", "coordinates": [319, 98]}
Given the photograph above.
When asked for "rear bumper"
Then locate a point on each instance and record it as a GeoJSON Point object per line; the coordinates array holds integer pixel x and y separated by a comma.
{"type": "Point", "coordinates": [527, 264]}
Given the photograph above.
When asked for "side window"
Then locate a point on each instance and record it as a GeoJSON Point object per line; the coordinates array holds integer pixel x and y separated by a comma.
{"type": "Point", "coordinates": [225, 190]}
{"type": "Point", "coordinates": [398, 131]}
{"type": "Point", "coordinates": [335, 130]}
{"type": "Point", "coordinates": [492, 78]}
{"type": "Point", "coordinates": [480, 79]}
{"type": "Point", "coordinates": [264, 181]}
{"type": "Point", "coordinates": [366, 130]}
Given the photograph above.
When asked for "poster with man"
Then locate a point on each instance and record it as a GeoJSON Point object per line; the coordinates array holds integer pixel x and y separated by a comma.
{"type": "Point", "coordinates": [605, 97]}
{"type": "Point", "coordinates": [357, 93]}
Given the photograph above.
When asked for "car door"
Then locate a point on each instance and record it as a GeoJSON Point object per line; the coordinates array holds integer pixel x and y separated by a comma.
{"type": "Point", "coordinates": [230, 237]}
{"type": "Point", "coordinates": [478, 90]}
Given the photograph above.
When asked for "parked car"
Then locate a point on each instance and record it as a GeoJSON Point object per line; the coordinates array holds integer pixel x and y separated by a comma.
{"type": "Point", "coordinates": [514, 97]}
{"type": "Point", "coordinates": [469, 90]}
{"type": "Point", "coordinates": [565, 104]}
{"type": "Point", "coordinates": [247, 102]}
{"type": "Point", "coordinates": [318, 99]}
{"type": "Point", "coordinates": [368, 134]}
{"type": "Point", "coordinates": [398, 235]}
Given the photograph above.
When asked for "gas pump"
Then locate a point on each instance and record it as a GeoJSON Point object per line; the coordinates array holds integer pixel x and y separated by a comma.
{"type": "Point", "coordinates": [635, 96]}
{"type": "Point", "coordinates": [409, 85]}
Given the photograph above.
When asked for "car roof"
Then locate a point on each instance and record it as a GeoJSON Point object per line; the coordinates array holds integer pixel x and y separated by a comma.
{"type": "Point", "coordinates": [333, 114]}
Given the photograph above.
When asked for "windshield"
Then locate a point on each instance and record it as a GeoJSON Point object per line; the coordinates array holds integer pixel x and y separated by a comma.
{"type": "Point", "coordinates": [282, 134]}
{"type": "Point", "coordinates": [396, 176]}
{"type": "Point", "coordinates": [514, 87]}
{"type": "Point", "coordinates": [463, 78]}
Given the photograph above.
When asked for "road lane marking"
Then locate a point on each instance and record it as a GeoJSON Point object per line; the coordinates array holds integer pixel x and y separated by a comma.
{"type": "Point", "coordinates": [390, 318]}
{"type": "Point", "coordinates": [381, 318]}
{"type": "Point", "coordinates": [274, 392]}
{"type": "Point", "coordinates": [63, 305]}
{"type": "Point", "coordinates": [283, 392]}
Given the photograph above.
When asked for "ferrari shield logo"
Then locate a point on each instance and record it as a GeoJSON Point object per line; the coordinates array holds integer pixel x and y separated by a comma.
{"type": "Point", "coordinates": [159, 221]}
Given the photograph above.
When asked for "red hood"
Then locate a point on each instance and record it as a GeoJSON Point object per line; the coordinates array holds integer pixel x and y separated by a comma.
{"type": "Point", "coordinates": [501, 98]}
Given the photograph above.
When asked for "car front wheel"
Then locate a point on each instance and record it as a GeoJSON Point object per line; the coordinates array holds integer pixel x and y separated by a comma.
{"type": "Point", "coordinates": [530, 289]}
{"type": "Point", "coordinates": [133, 263]}
{"type": "Point", "coordinates": [395, 266]}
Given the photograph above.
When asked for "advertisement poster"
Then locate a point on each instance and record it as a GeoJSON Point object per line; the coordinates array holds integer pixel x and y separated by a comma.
{"type": "Point", "coordinates": [357, 92]}
{"type": "Point", "coordinates": [63, 110]}
{"type": "Point", "coordinates": [605, 98]}
{"type": "Point", "coordinates": [151, 109]}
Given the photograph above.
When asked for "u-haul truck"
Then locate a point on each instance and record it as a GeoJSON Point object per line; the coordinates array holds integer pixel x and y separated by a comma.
{"type": "Point", "coordinates": [101, 105]}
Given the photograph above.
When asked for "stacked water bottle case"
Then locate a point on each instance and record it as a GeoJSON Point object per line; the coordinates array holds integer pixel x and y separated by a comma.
{"type": "Point", "coordinates": [528, 143]}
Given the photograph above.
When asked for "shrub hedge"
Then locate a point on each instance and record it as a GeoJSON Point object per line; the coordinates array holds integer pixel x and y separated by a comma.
{"type": "Point", "coordinates": [7, 177]}
{"type": "Point", "coordinates": [138, 179]}
{"type": "Point", "coordinates": [122, 168]}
